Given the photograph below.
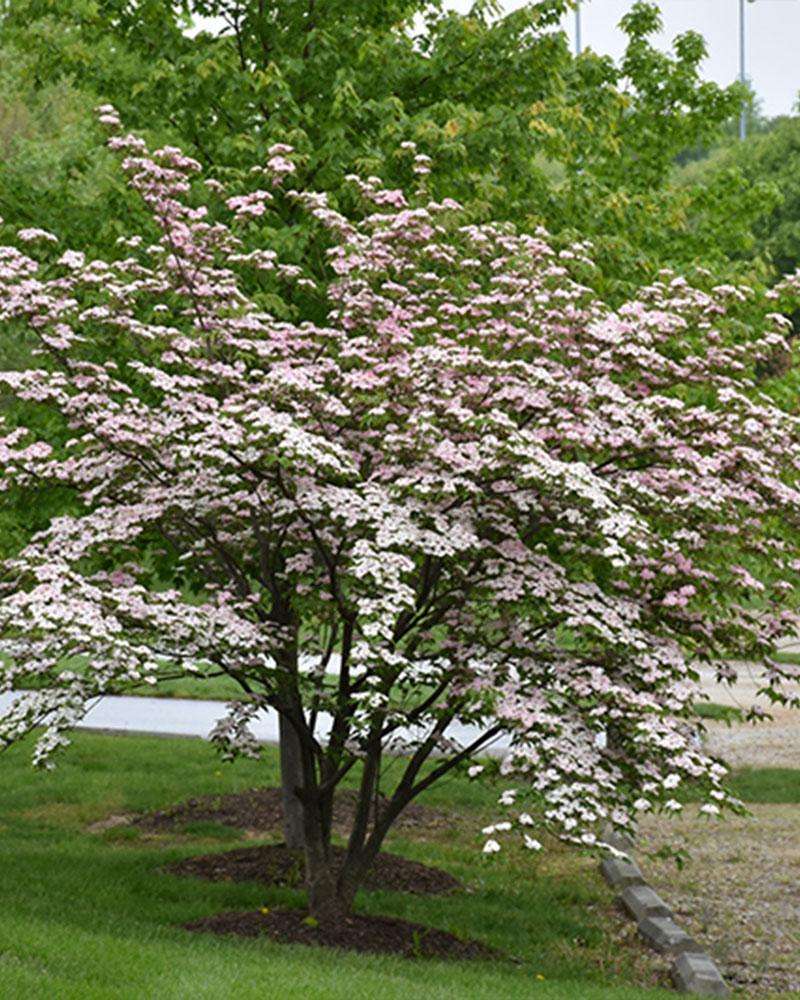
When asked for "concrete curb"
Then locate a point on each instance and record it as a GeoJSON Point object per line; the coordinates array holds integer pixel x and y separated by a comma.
{"type": "Point", "coordinates": [693, 970]}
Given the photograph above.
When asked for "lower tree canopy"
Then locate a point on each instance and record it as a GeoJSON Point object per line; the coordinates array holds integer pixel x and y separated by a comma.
{"type": "Point", "coordinates": [475, 493]}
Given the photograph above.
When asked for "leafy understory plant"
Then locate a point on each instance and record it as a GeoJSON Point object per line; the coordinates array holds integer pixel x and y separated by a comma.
{"type": "Point", "coordinates": [471, 494]}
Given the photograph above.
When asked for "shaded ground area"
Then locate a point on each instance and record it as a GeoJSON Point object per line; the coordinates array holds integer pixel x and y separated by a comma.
{"type": "Point", "coordinates": [739, 891]}
{"type": "Point", "coordinates": [275, 864]}
{"type": "Point", "coordinates": [382, 935]}
{"type": "Point", "coordinates": [259, 810]}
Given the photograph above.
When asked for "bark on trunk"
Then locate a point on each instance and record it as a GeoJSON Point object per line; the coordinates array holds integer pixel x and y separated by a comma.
{"type": "Point", "coordinates": [331, 893]}
{"type": "Point", "coordinates": [351, 877]}
{"type": "Point", "coordinates": [291, 779]}
{"type": "Point", "coordinates": [325, 901]}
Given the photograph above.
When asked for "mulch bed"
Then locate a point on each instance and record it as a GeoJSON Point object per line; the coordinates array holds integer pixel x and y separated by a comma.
{"type": "Point", "coordinates": [276, 864]}
{"type": "Point", "coordinates": [359, 932]}
{"type": "Point", "coordinates": [260, 810]}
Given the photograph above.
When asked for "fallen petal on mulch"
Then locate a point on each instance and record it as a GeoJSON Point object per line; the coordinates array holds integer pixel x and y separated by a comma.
{"type": "Point", "coordinates": [359, 932]}
{"type": "Point", "coordinates": [276, 864]}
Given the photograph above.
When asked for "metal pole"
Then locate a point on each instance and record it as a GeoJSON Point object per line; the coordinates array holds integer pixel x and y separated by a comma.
{"type": "Point", "coordinates": [743, 116]}
{"type": "Point", "coordinates": [578, 46]}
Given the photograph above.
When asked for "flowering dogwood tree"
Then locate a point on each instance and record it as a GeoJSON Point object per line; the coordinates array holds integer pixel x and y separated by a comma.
{"type": "Point", "coordinates": [474, 494]}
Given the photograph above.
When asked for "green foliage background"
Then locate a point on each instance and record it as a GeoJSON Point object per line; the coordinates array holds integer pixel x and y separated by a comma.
{"type": "Point", "coordinates": [517, 128]}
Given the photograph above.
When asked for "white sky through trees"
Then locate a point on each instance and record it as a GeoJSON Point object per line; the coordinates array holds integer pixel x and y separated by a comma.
{"type": "Point", "coordinates": [772, 29]}
{"type": "Point", "coordinates": [772, 37]}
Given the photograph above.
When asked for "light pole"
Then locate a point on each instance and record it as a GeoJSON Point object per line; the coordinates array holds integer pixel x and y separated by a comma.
{"type": "Point", "coordinates": [578, 46]}
{"type": "Point", "coordinates": [743, 115]}
{"type": "Point", "coordinates": [742, 77]}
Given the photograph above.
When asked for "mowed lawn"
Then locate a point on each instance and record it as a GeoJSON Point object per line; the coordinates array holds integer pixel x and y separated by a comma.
{"type": "Point", "coordinates": [86, 916]}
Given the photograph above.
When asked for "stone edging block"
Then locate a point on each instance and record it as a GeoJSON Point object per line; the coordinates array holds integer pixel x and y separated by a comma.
{"type": "Point", "coordinates": [620, 873]}
{"type": "Point", "coordinates": [618, 839]}
{"type": "Point", "coordinates": [664, 935]}
{"type": "Point", "coordinates": [693, 971]}
{"type": "Point", "coordinates": [697, 974]}
{"type": "Point", "coordinates": [640, 901]}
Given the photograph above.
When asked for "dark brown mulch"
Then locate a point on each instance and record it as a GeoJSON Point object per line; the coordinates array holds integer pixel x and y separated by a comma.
{"type": "Point", "coordinates": [275, 864]}
{"type": "Point", "coordinates": [260, 809]}
{"type": "Point", "coordinates": [359, 932]}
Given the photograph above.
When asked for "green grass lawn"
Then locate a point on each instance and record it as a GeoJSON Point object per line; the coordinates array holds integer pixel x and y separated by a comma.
{"type": "Point", "coordinates": [718, 713]}
{"type": "Point", "coordinates": [89, 916]}
{"type": "Point", "coordinates": [213, 688]}
{"type": "Point", "coordinates": [766, 784]}
{"type": "Point", "coordinates": [221, 688]}
{"type": "Point", "coordinates": [756, 786]}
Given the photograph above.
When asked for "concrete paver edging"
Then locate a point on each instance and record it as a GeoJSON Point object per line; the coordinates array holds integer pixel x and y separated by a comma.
{"type": "Point", "coordinates": [693, 970]}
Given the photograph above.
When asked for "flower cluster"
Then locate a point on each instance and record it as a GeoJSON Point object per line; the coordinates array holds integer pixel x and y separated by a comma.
{"type": "Point", "coordinates": [475, 494]}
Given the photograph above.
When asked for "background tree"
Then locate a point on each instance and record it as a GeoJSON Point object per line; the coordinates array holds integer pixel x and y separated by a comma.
{"type": "Point", "coordinates": [515, 126]}
{"type": "Point", "coordinates": [476, 494]}
{"type": "Point", "coordinates": [771, 155]}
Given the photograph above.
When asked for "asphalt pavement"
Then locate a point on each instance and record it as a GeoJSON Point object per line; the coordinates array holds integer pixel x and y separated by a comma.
{"type": "Point", "coordinates": [185, 717]}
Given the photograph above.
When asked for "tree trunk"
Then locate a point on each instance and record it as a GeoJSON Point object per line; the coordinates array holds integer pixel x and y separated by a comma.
{"type": "Point", "coordinates": [330, 892]}
{"type": "Point", "coordinates": [291, 779]}
{"type": "Point", "coordinates": [351, 877]}
{"type": "Point", "coordinates": [325, 900]}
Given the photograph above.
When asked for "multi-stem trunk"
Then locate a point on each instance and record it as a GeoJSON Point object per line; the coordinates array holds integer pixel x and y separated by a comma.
{"type": "Point", "coordinates": [331, 889]}
{"type": "Point", "coordinates": [325, 902]}
{"type": "Point", "coordinates": [291, 781]}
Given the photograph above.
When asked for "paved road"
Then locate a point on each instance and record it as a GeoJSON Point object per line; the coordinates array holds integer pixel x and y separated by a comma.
{"type": "Point", "coordinates": [183, 717]}
{"type": "Point", "coordinates": [776, 743]}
